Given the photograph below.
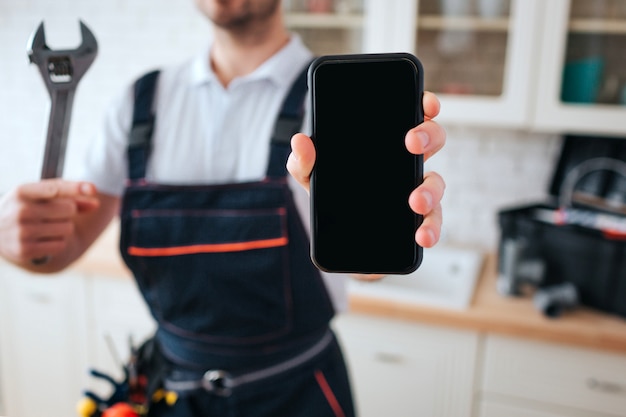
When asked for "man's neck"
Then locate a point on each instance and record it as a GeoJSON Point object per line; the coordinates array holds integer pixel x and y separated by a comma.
{"type": "Point", "coordinates": [238, 53]}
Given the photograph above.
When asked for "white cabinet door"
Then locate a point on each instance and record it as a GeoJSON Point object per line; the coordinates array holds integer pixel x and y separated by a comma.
{"type": "Point", "coordinates": [403, 369]}
{"type": "Point", "coordinates": [119, 316]}
{"type": "Point", "coordinates": [42, 343]}
{"type": "Point", "coordinates": [582, 82]}
{"type": "Point", "coordinates": [591, 382]}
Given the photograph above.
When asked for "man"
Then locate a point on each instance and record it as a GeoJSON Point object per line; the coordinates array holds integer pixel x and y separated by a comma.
{"type": "Point", "coordinates": [210, 225]}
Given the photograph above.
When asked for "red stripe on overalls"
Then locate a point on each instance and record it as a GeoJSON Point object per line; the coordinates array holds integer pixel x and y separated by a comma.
{"type": "Point", "coordinates": [328, 393]}
{"type": "Point", "coordinates": [208, 248]}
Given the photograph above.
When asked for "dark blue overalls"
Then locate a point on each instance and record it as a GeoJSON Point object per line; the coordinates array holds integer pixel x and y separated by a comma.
{"type": "Point", "coordinates": [242, 312]}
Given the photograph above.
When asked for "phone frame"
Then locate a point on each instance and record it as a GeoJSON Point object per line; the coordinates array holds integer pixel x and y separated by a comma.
{"type": "Point", "coordinates": [418, 159]}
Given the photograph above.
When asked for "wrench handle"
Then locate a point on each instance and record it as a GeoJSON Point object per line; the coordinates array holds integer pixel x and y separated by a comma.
{"type": "Point", "coordinates": [61, 101]}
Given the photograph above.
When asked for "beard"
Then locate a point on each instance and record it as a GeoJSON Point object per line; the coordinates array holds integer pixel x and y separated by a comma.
{"type": "Point", "coordinates": [238, 15]}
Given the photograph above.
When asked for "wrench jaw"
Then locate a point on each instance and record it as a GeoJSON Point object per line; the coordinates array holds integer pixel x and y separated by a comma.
{"type": "Point", "coordinates": [62, 69]}
{"type": "Point", "coordinates": [36, 44]}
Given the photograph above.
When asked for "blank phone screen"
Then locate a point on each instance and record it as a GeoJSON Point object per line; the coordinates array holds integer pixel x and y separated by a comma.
{"type": "Point", "coordinates": [363, 174]}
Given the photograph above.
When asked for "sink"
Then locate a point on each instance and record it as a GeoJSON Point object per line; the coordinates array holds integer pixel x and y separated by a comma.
{"type": "Point", "coordinates": [446, 279]}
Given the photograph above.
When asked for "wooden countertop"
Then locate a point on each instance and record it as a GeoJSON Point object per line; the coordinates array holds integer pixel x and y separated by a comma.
{"type": "Point", "coordinates": [492, 313]}
{"type": "Point", "coordinates": [489, 311]}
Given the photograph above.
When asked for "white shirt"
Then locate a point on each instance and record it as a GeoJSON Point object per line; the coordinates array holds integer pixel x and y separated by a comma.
{"type": "Point", "coordinates": [205, 133]}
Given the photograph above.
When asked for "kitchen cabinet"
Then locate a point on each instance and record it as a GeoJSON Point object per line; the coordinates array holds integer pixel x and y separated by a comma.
{"type": "Point", "coordinates": [54, 328]}
{"type": "Point", "coordinates": [478, 57]}
{"type": "Point", "coordinates": [328, 26]}
{"type": "Point", "coordinates": [2, 408]}
{"type": "Point", "coordinates": [119, 319]}
{"type": "Point", "coordinates": [42, 342]}
{"type": "Point", "coordinates": [411, 369]}
{"type": "Point", "coordinates": [407, 369]}
{"type": "Point", "coordinates": [541, 379]}
{"type": "Point", "coordinates": [582, 87]}
{"type": "Point", "coordinates": [550, 66]}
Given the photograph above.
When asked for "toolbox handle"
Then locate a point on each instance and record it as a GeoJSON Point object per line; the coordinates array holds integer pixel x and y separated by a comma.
{"type": "Point", "coordinates": [566, 194]}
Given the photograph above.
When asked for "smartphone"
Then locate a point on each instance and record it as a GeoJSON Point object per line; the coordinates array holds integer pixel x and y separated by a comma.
{"type": "Point", "coordinates": [362, 107]}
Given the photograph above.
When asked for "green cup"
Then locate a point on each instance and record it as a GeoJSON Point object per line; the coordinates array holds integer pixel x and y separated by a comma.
{"type": "Point", "coordinates": [582, 80]}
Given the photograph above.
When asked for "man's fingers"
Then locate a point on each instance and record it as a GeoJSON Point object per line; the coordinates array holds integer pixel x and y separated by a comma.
{"type": "Point", "coordinates": [49, 210]}
{"type": "Point", "coordinates": [36, 239]}
{"type": "Point", "coordinates": [427, 235]}
{"type": "Point", "coordinates": [82, 196]}
{"type": "Point", "coordinates": [302, 158]}
{"type": "Point", "coordinates": [426, 138]}
{"type": "Point", "coordinates": [47, 231]}
{"type": "Point", "coordinates": [426, 197]}
{"type": "Point", "coordinates": [55, 188]}
{"type": "Point", "coordinates": [42, 248]}
{"type": "Point", "coordinates": [426, 200]}
{"type": "Point", "coordinates": [431, 105]}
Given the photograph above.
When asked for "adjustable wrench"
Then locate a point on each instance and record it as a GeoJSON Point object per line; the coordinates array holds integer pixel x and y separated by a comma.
{"type": "Point", "coordinates": [61, 71]}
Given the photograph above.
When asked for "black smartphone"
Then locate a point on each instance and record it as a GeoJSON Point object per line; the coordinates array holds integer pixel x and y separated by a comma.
{"type": "Point", "coordinates": [362, 107]}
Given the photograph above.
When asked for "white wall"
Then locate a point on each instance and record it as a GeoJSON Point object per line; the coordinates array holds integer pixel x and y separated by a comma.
{"type": "Point", "coordinates": [133, 36]}
{"type": "Point", "coordinates": [484, 169]}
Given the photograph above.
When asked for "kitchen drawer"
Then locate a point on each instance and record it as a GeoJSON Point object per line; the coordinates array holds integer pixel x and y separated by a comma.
{"type": "Point", "coordinates": [555, 374]}
{"type": "Point", "coordinates": [492, 409]}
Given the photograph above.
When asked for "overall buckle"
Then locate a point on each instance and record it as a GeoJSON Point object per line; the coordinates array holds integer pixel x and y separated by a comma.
{"type": "Point", "coordinates": [217, 382]}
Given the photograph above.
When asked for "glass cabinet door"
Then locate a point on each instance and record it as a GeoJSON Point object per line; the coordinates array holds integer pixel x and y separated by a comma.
{"type": "Point", "coordinates": [594, 69]}
{"type": "Point", "coordinates": [477, 56]}
{"type": "Point", "coordinates": [582, 87]}
{"type": "Point", "coordinates": [464, 45]}
{"type": "Point", "coordinates": [327, 26]}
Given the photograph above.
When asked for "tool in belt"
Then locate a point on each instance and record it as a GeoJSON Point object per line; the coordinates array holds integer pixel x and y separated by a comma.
{"type": "Point", "coordinates": [140, 387]}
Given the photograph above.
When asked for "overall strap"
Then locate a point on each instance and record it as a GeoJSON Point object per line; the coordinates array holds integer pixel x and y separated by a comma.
{"type": "Point", "coordinates": [140, 138]}
{"type": "Point", "coordinates": [288, 123]}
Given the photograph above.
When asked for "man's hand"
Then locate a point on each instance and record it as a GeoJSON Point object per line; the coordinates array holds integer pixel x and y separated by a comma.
{"type": "Point", "coordinates": [427, 139]}
{"type": "Point", "coordinates": [37, 220]}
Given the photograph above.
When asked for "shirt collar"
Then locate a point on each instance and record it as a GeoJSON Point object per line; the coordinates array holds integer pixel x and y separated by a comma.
{"type": "Point", "coordinates": [280, 69]}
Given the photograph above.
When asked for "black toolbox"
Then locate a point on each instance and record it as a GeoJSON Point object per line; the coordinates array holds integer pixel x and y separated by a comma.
{"type": "Point", "coordinates": [575, 240]}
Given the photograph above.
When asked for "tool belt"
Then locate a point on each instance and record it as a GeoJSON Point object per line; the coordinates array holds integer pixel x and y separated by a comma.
{"type": "Point", "coordinates": [223, 383]}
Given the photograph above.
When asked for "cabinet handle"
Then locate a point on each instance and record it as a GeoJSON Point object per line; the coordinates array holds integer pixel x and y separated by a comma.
{"type": "Point", "coordinates": [388, 357]}
{"type": "Point", "coordinates": [607, 387]}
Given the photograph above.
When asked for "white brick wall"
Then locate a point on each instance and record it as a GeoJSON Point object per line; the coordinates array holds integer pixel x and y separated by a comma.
{"type": "Point", "coordinates": [484, 169]}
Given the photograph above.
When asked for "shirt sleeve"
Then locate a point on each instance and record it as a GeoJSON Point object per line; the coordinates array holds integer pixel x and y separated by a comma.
{"type": "Point", "coordinates": [106, 165]}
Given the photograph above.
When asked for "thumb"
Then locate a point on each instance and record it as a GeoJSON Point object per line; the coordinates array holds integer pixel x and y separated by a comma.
{"type": "Point", "coordinates": [302, 158]}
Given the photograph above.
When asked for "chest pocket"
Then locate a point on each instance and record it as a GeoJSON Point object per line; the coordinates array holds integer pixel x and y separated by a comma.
{"type": "Point", "coordinates": [220, 273]}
